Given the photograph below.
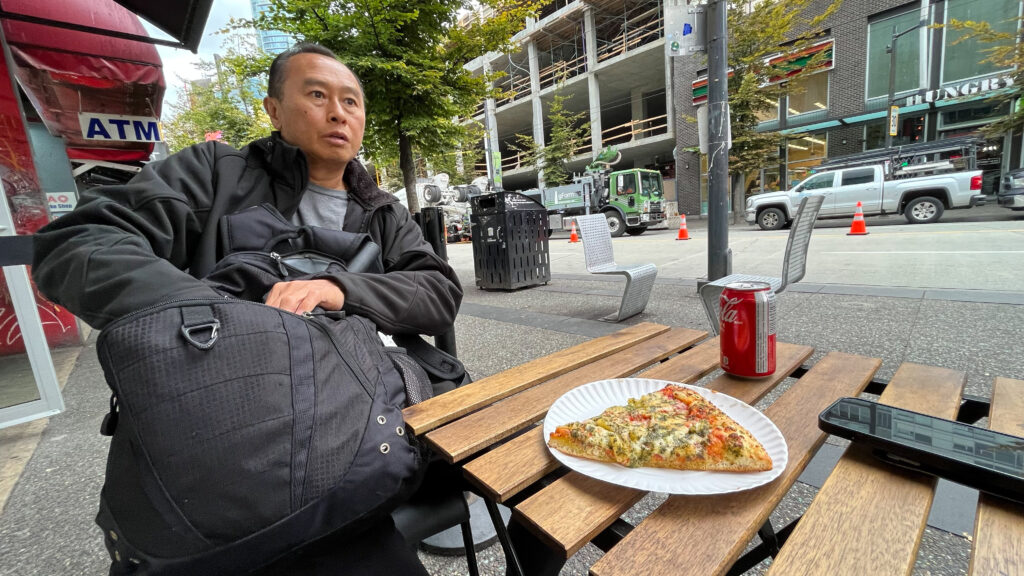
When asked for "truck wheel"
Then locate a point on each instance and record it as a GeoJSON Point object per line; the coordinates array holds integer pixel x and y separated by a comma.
{"type": "Point", "coordinates": [923, 210]}
{"type": "Point", "coordinates": [636, 230]}
{"type": "Point", "coordinates": [615, 224]}
{"type": "Point", "coordinates": [771, 219]}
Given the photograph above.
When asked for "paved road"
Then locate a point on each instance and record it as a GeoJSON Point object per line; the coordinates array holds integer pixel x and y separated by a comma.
{"type": "Point", "coordinates": [979, 249]}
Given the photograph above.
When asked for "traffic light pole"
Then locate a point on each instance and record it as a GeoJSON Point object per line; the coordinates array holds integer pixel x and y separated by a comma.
{"type": "Point", "coordinates": [719, 255]}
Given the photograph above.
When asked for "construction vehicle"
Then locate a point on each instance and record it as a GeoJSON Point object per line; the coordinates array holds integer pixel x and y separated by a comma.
{"type": "Point", "coordinates": [631, 199]}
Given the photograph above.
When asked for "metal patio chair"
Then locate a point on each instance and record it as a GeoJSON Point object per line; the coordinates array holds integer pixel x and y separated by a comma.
{"type": "Point", "coordinates": [793, 266]}
{"type": "Point", "coordinates": [597, 249]}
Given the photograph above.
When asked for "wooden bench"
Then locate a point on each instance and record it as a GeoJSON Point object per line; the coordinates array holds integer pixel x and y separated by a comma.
{"type": "Point", "coordinates": [597, 249]}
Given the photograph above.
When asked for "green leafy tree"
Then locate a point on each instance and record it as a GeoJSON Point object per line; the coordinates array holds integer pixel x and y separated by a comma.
{"type": "Point", "coordinates": [230, 102]}
{"type": "Point", "coordinates": [410, 55]}
{"type": "Point", "coordinates": [569, 132]}
{"type": "Point", "coordinates": [460, 170]}
{"type": "Point", "coordinates": [761, 30]}
{"type": "Point", "coordinates": [1004, 51]}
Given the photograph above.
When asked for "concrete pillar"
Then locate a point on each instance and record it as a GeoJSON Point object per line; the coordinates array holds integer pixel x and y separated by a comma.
{"type": "Point", "coordinates": [593, 89]}
{"type": "Point", "coordinates": [636, 105]}
{"type": "Point", "coordinates": [670, 116]}
{"type": "Point", "coordinates": [538, 106]}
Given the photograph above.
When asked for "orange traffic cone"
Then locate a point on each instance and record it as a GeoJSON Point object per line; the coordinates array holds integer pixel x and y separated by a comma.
{"type": "Point", "coordinates": [683, 234]}
{"type": "Point", "coordinates": [573, 236]}
{"type": "Point", "coordinates": [858, 227]}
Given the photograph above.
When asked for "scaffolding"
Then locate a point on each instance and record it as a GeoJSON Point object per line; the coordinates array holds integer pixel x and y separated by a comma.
{"type": "Point", "coordinates": [625, 26]}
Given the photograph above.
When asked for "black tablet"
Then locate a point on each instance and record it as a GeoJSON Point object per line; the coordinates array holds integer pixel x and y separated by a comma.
{"type": "Point", "coordinates": [988, 461]}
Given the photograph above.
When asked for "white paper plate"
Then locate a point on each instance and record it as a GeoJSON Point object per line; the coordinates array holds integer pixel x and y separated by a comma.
{"type": "Point", "coordinates": [589, 400]}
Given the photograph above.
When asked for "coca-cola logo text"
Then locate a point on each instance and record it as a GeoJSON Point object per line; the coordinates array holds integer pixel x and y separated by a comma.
{"type": "Point", "coordinates": [729, 313]}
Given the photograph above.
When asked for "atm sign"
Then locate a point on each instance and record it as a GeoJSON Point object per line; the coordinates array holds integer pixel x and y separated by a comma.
{"type": "Point", "coordinates": [115, 127]}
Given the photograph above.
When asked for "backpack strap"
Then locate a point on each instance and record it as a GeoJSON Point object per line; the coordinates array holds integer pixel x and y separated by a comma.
{"type": "Point", "coordinates": [438, 364]}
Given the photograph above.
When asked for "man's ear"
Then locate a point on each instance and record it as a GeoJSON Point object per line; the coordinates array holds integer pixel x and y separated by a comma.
{"type": "Point", "coordinates": [271, 106]}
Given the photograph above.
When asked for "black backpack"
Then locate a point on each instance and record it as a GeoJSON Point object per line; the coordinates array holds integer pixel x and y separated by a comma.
{"type": "Point", "coordinates": [242, 432]}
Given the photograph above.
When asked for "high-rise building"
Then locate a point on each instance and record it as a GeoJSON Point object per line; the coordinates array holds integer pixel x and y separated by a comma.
{"type": "Point", "coordinates": [271, 41]}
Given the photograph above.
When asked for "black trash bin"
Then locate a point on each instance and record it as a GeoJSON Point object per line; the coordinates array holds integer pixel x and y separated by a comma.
{"type": "Point", "coordinates": [510, 241]}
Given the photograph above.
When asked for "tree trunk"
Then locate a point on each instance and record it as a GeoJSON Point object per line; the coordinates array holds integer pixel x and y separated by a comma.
{"type": "Point", "coordinates": [739, 203]}
{"type": "Point", "coordinates": [408, 167]}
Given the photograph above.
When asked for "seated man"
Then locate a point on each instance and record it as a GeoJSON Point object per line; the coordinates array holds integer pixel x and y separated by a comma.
{"type": "Point", "coordinates": [149, 241]}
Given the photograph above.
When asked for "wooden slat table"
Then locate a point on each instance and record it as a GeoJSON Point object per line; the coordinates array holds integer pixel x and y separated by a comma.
{"type": "Point", "coordinates": [867, 519]}
{"type": "Point", "coordinates": [999, 526]}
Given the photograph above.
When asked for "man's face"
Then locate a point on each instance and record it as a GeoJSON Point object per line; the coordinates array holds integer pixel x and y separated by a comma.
{"type": "Point", "coordinates": [320, 110]}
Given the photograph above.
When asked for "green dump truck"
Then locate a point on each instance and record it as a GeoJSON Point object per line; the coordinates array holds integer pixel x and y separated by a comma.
{"type": "Point", "coordinates": [631, 199]}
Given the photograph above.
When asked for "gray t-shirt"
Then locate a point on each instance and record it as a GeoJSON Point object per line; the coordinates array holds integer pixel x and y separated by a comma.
{"type": "Point", "coordinates": [322, 207]}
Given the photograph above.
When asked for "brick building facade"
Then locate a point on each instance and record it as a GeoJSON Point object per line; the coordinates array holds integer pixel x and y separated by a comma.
{"type": "Point", "coordinates": [843, 109]}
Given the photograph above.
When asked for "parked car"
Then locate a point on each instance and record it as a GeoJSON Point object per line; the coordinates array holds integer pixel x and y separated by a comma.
{"type": "Point", "coordinates": [1011, 192]}
{"type": "Point", "coordinates": [921, 200]}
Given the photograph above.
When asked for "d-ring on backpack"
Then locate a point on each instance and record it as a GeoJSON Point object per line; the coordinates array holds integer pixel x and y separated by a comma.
{"type": "Point", "coordinates": [242, 432]}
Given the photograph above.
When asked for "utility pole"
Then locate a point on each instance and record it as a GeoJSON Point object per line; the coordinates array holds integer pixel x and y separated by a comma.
{"type": "Point", "coordinates": [719, 255]}
{"type": "Point", "coordinates": [891, 49]}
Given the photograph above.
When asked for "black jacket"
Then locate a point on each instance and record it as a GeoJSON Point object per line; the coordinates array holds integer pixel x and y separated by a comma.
{"type": "Point", "coordinates": [148, 241]}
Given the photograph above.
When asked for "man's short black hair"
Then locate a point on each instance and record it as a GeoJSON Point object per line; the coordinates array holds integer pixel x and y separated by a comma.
{"type": "Point", "coordinates": [280, 64]}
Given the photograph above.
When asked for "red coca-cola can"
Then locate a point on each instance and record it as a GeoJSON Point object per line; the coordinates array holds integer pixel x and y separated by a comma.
{"type": "Point", "coordinates": [747, 320]}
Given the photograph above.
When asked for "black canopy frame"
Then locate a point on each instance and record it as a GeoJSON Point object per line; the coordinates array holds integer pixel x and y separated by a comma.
{"type": "Point", "coordinates": [183, 20]}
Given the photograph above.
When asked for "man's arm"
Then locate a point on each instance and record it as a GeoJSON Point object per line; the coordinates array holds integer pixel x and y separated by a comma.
{"type": "Point", "coordinates": [418, 293]}
{"type": "Point", "coordinates": [126, 247]}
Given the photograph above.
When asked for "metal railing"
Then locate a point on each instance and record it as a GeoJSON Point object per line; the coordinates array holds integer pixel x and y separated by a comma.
{"type": "Point", "coordinates": [635, 130]}
{"type": "Point", "coordinates": [513, 87]}
{"type": "Point", "coordinates": [637, 31]}
{"type": "Point", "coordinates": [562, 70]}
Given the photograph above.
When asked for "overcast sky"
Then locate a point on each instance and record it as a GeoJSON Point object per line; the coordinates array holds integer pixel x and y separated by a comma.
{"type": "Point", "coordinates": [180, 64]}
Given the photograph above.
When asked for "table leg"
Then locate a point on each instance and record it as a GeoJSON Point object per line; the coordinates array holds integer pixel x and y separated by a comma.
{"type": "Point", "coordinates": [767, 535]}
{"type": "Point", "coordinates": [511, 560]}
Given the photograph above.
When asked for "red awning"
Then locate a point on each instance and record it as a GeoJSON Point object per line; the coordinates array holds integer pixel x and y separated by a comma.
{"type": "Point", "coordinates": [65, 72]}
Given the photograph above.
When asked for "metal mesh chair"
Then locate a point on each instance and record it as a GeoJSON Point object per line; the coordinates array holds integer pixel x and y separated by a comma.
{"type": "Point", "coordinates": [793, 266]}
{"type": "Point", "coordinates": [597, 249]}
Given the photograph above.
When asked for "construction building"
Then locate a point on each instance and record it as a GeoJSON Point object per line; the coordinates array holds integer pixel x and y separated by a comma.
{"type": "Point", "coordinates": [608, 58]}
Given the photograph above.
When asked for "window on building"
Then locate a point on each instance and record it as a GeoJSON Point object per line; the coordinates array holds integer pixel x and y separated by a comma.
{"type": "Point", "coordinates": [803, 154]}
{"type": "Point", "coordinates": [908, 54]}
{"type": "Point", "coordinates": [911, 131]}
{"type": "Point", "coordinates": [808, 94]}
{"type": "Point", "coordinates": [962, 58]}
{"type": "Point", "coordinates": [770, 114]}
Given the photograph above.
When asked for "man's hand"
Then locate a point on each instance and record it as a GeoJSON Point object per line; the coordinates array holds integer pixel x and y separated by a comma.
{"type": "Point", "coordinates": [303, 295]}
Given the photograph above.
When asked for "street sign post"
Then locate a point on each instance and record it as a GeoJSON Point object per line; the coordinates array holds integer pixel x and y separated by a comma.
{"type": "Point", "coordinates": [684, 27]}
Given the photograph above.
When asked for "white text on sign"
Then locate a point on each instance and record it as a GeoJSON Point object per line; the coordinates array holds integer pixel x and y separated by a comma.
{"type": "Point", "coordinates": [115, 127]}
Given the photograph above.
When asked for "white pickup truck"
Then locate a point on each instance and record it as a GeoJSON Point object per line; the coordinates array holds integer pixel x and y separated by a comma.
{"type": "Point", "coordinates": [921, 200]}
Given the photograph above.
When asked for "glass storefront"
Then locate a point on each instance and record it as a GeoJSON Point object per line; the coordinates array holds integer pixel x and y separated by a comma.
{"type": "Point", "coordinates": [802, 155]}
{"type": "Point", "coordinates": [967, 120]}
{"type": "Point", "coordinates": [912, 130]}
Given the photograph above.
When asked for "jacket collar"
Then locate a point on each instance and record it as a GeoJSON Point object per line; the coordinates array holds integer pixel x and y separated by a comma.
{"type": "Point", "coordinates": [286, 164]}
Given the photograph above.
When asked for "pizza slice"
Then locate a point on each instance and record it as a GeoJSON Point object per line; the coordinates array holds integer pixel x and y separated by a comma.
{"type": "Point", "coordinates": [674, 428]}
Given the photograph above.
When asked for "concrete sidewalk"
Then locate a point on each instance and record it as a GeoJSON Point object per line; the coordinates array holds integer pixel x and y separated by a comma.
{"type": "Point", "coordinates": [46, 526]}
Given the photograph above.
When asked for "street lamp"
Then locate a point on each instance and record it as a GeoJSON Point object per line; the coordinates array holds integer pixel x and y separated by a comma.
{"type": "Point", "coordinates": [891, 49]}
